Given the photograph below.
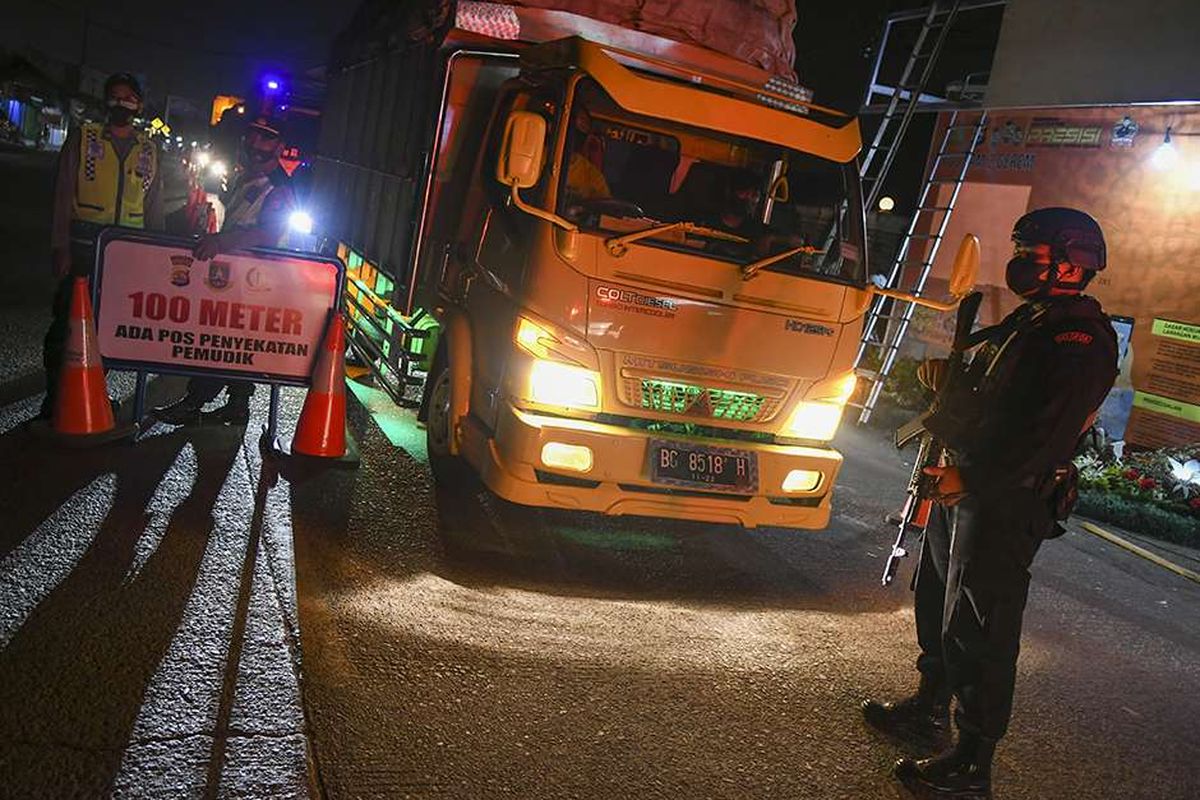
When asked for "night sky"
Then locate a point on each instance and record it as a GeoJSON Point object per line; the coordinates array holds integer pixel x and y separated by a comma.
{"type": "Point", "coordinates": [191, 49]}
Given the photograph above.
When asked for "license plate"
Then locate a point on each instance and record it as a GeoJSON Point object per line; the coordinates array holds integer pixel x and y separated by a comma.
{"type": "Point", "coordinates": [700, 467]}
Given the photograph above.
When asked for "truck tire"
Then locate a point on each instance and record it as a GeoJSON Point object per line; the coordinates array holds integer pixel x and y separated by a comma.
{"type": "Point", "coordinates": [445, 465]}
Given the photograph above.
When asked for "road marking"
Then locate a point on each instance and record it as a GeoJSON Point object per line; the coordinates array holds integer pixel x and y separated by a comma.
{"type": "Point", "coordinates": [1153, 558]}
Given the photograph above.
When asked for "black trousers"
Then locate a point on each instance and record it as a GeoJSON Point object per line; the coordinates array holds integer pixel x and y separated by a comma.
{"type": "Point", "coordinates": [972, 583]}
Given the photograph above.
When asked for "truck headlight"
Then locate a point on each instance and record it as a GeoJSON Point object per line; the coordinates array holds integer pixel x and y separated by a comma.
{"type": "Point", "coordinates": [555, 384]}
{"type": "Point", "coordinates": [552, 381]}
{"type": "Point", "coordinates": [817, 417]}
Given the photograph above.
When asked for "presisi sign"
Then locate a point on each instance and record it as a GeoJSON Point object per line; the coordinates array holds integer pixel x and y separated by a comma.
{"type": "Point", "coordinates": [259, 316]}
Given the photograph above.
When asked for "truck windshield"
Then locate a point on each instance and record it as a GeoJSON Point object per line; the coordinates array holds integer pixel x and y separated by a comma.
{"type": "Point", "coordinates": [626, 173]}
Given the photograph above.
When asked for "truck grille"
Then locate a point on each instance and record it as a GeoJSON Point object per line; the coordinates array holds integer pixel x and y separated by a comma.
{"type": "Point", "coordinates": [699, 401]}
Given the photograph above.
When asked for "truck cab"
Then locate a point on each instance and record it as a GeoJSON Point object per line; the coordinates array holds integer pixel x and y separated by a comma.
{"type": "Point", "coordinates": [648, 282]}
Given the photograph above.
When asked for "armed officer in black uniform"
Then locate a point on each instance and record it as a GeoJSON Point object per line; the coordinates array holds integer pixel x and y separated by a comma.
{"type": "Point", "coordinates": [1010, 430]}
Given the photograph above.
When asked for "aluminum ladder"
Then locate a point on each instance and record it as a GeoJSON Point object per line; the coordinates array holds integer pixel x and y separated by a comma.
{"type": "Point", "coordinates": [906, 96]}
{"type": "Point", "coordinates": [888, 319]}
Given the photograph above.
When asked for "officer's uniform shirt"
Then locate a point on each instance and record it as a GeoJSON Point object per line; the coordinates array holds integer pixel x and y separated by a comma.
{"type": "Point", "coordinates": [262, 201]}
{"type": "Point", "coordinates": [68, 175]}
{"type": "Point", "coordinates": [1034, 385]}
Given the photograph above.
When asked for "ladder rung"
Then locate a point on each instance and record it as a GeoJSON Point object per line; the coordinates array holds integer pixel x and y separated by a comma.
{"type": "Point", "coordinates": [924, 236]}
{"type": "Point", "coordinates": [945, 180]}
{"type": "Point", "coordinates": [963, 127]}
{"type": "Point", "coordinates": [935, 208]}
{"type": "Point", "coordinates": [869, 374]}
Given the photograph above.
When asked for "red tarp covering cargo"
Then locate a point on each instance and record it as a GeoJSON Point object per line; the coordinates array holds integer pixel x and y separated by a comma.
{"type": "Point", "coordinates": [755, 32]}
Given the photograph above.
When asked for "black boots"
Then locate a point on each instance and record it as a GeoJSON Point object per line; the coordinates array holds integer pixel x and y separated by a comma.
{"type": "Point", "coordinates": [234, 412]}
{"type": "Point", "coordinates": [921, 721]}
{"type": "Point", "coordinates": [185, 411]}
{"type": "Point", "coordinates": [964, 772]}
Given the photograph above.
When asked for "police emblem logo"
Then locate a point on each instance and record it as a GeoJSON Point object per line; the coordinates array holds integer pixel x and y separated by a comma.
{"type": "Point", "coordinates": [218, 275]}
{"type": "Point", "coordinates": [1010, 133]}
{"type": "Point", "coordinates": [181, 270]}
{"type": "Point", "coordinates": [1124, 132]}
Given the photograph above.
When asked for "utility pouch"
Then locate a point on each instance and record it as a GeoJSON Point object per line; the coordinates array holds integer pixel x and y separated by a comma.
{"type": "Point", "coordinates": [1060, 491]}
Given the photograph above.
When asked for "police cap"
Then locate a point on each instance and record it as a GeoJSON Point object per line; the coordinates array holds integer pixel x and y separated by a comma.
{"type": "Point", "coordinates": [123, 79]}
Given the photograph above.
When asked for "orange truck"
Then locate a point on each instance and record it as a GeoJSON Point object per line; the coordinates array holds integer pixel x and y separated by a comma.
{"type": "Point", "coordinates": [617, 271]}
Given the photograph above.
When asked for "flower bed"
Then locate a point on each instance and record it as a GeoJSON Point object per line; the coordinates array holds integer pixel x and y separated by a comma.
{"type": "Point", "coordinates": [1156, 493]}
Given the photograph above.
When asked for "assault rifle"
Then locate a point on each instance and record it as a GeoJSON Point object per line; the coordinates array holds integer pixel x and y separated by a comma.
{"type": "Point", "coordinates": [929, 451]}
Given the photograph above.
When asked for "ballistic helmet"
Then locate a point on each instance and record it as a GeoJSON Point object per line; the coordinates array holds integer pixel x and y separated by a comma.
{"type": "Point", "coordinates": [1073, 236]}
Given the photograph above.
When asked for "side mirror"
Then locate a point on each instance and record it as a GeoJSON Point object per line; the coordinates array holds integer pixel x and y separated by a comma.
{"type": "Point", "coordinates": [965, 270]}
{"type": "Point", "coordinates": [520, 166]}
{"type": "Point", "coordinates": [522, 150]}
{"type": "Point", "coordinates": [963, 274]}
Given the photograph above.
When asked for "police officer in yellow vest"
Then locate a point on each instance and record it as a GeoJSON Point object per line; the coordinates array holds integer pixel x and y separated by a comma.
{"type": "Point", "coordinates": [257, 208]}
{"type": "Point", "coordinates": [108, 174]}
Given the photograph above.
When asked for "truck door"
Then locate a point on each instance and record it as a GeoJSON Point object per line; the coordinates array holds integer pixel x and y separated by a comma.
{"type": "Point", "coordinates": [473, 81]}
{"type": "Point", "coordinates": [492, 244]}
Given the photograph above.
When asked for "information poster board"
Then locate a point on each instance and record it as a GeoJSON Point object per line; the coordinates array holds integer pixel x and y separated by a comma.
{"type": "Point", "coordinates": [259, 315]}
{"type": "Point", "coordinates": [1166, 407]}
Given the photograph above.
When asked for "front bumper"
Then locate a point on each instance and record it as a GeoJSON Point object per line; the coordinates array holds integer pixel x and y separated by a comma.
{"type": "Point", "coordinates": [509, 461]}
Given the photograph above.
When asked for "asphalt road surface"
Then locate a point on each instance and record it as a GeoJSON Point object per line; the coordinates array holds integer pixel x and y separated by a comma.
{"type": "Point", "coordinates": [179, 618]}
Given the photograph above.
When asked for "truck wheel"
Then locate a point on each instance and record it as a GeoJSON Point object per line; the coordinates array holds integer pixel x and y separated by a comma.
{"type": "Point", "coordinates": [437, 427]}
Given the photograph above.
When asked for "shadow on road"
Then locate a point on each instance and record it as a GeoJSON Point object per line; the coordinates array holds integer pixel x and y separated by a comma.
{"type": "Point", "coordinates": [77, 667]}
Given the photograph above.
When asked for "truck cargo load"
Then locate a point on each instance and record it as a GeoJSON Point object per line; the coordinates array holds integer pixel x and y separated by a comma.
{"type": "Point", "coordinates": [756, 32]}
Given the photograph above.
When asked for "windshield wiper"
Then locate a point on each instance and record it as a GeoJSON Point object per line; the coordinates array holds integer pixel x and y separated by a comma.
{"type": "Point", "coordinates": [751, 269]}
{"type": "Point", "coordinates": [619, 245]}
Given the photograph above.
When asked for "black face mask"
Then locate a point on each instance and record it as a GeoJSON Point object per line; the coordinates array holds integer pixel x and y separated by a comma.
{"type": "Point", "coordinates": [1024, 277]}
{"type": "Point", "coordinates": [258, 157]}
{"type": "Point", "coordinates": [119, 114]}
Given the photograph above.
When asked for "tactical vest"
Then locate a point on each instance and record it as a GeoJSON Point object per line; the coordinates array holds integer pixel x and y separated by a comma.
{"type": "Point", "coordinates": [958, 417]}
{"type": "Point", "coordinates": [246, 203]}
{"type": "Point", "coordinates": [109, 191]}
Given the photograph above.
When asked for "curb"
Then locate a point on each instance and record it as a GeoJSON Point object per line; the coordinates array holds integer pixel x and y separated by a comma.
{"type": "Point", "coordinates": [1137, 550]}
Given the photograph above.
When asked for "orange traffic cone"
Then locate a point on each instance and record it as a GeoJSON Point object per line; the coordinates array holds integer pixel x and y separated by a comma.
{"type": "Point", "coordinates": [321, 431]}
{"type": "Point", "coordinates": [82, 406]}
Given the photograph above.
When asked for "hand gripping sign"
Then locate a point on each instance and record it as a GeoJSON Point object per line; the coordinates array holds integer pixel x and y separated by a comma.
{"type": "Point", "coordinates": [258, 315]}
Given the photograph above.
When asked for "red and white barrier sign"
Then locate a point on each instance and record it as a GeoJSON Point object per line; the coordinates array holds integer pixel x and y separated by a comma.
{"type": "Point", "coordinates": [255, 315]}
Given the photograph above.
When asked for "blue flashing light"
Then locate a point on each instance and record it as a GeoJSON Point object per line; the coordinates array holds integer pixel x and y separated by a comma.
{"type": "Point", "coordinates": [272, 84]}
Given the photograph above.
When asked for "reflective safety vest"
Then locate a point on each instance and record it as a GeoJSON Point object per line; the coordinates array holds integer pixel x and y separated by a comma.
{"type": "Point", "coordinates": [244, 207]}
{"type": "Point", "coordinates": [246, 203]}
{"type": "Point", "coordinates": [109, 191]}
